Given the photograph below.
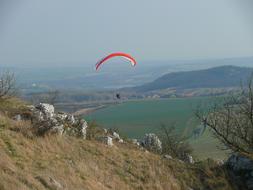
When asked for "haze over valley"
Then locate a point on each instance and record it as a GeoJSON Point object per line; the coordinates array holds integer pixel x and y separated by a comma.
{"type": "Point", "coordinates": [82, 77]}
{"type": "Point", "coordinates": [126, 95]}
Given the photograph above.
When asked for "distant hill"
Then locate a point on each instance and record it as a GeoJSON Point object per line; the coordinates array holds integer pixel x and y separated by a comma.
{"type": "Point", "coordinates": [217, 77]}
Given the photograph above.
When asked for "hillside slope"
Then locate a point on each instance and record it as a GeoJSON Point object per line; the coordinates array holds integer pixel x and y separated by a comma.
{"type": "Point", "coordinates": [218, 77]}
{"type": "Point", "coordinates": [67, 162]}
{"type": "Point", "coordinates": [76, 164]}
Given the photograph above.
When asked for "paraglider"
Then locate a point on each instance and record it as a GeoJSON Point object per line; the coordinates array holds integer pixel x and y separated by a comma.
{"type": "Point", "coordinates": [118, 96]}
{"type": "Point", "coordinates": [112, 55]}
{"type": "Point", "coordinates": [119, 54]}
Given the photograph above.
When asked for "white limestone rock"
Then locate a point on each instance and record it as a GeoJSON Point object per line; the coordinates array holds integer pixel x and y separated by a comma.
{"type": "Point", "coordinates": [46, 109]}
{"type": "Point", "coordinates": [136, 142]}
{"type": "Point", "coordinates": [168, 157]}
{"type": "Point", "coordinates": [106, 140]}
{"type": "Point", "coordinates": [152, 143]}
{"type": "Point", "coordinates": [189, 159]}
{"type": "Point", "coordinates": [61, 116]}
{"type": "Point", "coordinates": [71, 119]}
{"type": "Point", "coordinates": [83, 128]}
{"type": "Point", "coordinates": [58, 129]}
{"type": "Point", "coordinates": [116, 136]}
{"type": "Point", "coordinates": [50, 182]}
{"type": "Point", "coordinates": [17, 117]}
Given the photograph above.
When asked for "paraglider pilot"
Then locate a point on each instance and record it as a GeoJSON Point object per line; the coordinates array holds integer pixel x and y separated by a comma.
{"type": "Point", "coordinates": [118, 96]}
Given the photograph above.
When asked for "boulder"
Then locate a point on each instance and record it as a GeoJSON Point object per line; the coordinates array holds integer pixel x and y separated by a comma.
{"type": "Point", "coordinates": [189, 159]}
{"type": "Point", "coordinates": [168, 157]}
{"type": "Point", "coordinates": [241, 170]}
{"type": "Point", "coordinates": [31, 107]}
{"type": "Point", "coordinates": [38, 116]}
{"type": "Point", "coordinates": [106, 140]}
{"type": "Point", "coordinates": [152, 143]}
{"type": "Point", "coordinates": [17, 117]}
{"type": "Point", "coordinates": [55, 183]}
{"type": "Point", "coordinates": [58, 129]}
{"type": "Point", "coordinates": [71, 119]}
{"type": "Point", "coordinates": [238, 162]}
{"type": "Point", "coordinates": [61, 117]}
{"type": "Point", "coordinates": [46, 109]}
{"type": "Point", "coordinates": [105, 131]}
{"type": "Point", "coordinates": [135, 142]}
{"type": "Point", "coordinates": [79, 129]}
{"type": "Point", "coordinates": [83, 128]}
{"type": "Point", "coordinates": [220, 162]}
{"type": "Point", "coordinates": [116, 136]}
{"type": "Point", "coordinates": [50, 182]}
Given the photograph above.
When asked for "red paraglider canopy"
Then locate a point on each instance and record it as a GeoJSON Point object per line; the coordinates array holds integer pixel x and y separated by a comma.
{"type": "Point", "coordinates": [119, 54]}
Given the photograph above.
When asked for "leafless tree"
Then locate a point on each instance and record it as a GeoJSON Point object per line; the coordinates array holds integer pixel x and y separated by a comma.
{"type": "Point", "coordinates": [174, 144]}
{"type": "Point", "coordinates": [47, 97]}
{"type": "Point", "coordinates": [7, 85]}
{"type": "Point", "coordinates": [231, 119]}
{"type": "Point", "coordinates": [52, 96]}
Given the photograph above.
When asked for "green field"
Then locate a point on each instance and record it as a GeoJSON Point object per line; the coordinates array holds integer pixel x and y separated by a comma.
{"type": "Point", "coordinates": [135, 118]}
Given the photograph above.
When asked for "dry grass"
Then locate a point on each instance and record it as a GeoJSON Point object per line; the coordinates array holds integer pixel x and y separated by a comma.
{"type": "Point", "coordinates": [29, 162]}
{"type": "Point", "coordinates": [76, 164]}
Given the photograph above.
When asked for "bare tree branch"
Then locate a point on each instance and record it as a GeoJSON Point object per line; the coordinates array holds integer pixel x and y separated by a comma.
{"type": "Point", "coordinates": [173, 144]}
{"type": "Point", "coordinates": [50, 97]}
{"type": "Point", "coordinates": [231, 120]}
{"type": "Point", "coordinates": [7, 85]}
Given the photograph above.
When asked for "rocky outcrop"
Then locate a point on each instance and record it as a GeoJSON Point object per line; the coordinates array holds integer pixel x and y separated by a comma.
{"type": "Point", "coordinates": [46, 120]}
{"type": "Point", "coordinates": [152, 143]}
{"type": "Point", "coordinates": [241, 170]}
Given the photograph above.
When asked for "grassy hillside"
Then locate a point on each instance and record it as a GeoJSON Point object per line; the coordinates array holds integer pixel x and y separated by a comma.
{"type": "Point", "coordinates": [64, 162]}
{"type": "Point", "coordinates": [218, 77]}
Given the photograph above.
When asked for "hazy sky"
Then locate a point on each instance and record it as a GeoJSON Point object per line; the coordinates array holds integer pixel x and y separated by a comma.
{"type": "Point", "coordinates": [67, 32]}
